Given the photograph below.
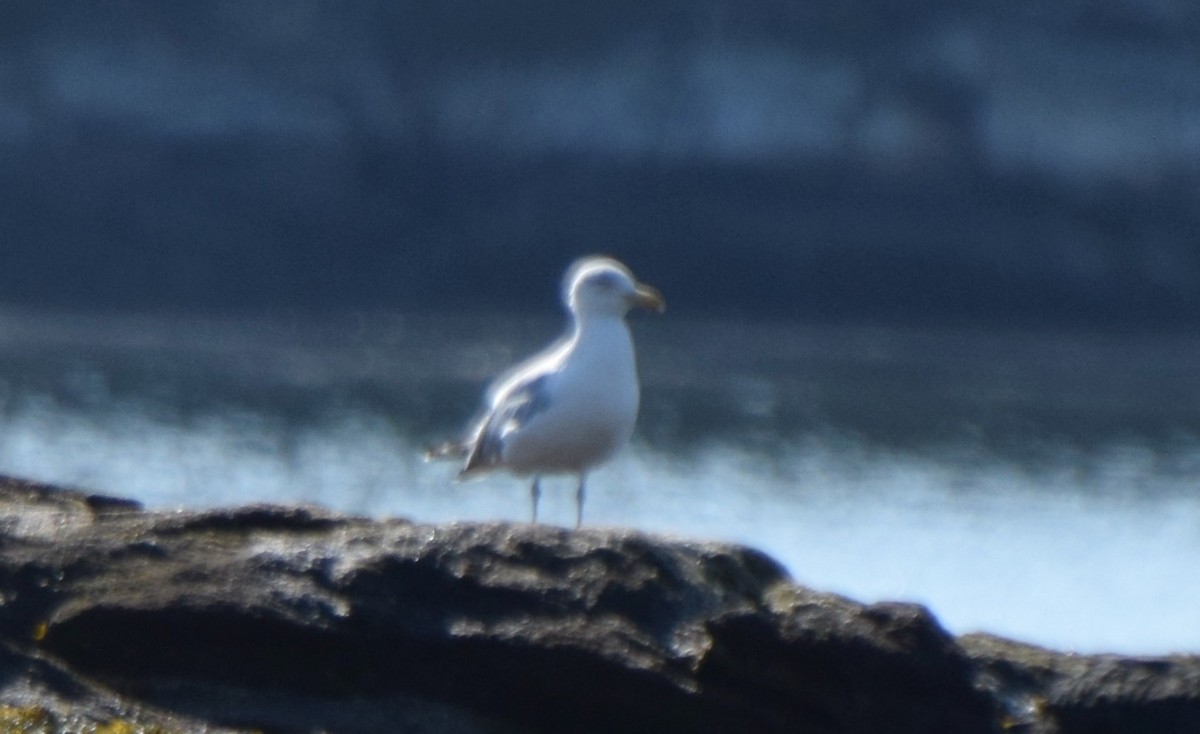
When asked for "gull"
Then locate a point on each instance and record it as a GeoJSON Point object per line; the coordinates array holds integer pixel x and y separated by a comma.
{"type": "Point", "coordinates": [568, 408]}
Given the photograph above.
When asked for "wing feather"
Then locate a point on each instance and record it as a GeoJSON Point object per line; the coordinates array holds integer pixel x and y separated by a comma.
{"type": "Point", "coordinates": [513, 409]}
{"type": "Point", "coordinates": [512, 399]}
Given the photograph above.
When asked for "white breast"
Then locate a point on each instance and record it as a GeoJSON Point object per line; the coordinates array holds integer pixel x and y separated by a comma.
{"type": "Point", "coordinates": [594, 403]}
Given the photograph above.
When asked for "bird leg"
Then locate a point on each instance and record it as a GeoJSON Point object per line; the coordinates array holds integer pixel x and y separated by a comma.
{"type": "Point", "coordinates": [579, 493]}
{"type": "Point", "coordinates": [535, 493]}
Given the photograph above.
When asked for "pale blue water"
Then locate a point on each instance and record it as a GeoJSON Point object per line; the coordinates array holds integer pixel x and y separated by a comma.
{"type": "Point", "coordinates": [1041, 486]}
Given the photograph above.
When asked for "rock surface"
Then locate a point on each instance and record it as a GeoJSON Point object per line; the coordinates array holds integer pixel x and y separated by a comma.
{"type": "Point", "coordinates": [294, 619]}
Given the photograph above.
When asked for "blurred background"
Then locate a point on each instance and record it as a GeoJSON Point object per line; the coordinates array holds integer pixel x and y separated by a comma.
{"type": "Point", "coordinates": [933, 273]}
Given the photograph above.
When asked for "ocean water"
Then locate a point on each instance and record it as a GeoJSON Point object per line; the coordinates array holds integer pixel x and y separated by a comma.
{"type": "Point", "coordinates": [1043, 486]}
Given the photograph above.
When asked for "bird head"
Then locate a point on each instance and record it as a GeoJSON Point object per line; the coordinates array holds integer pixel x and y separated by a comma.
{"type": "Point", "coordinates": [601, 285]}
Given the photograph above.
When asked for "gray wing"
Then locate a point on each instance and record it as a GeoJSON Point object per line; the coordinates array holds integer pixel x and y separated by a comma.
{"type": "Point", "coordinates": [512, 408]}
{"type": "Point", "coordinates": [540, 363]}
{"type": "Point", "coordinates": [514, 396]}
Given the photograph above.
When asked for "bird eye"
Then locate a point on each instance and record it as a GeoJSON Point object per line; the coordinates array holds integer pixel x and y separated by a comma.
{"type": "Point", "coordinates": [607, 280]}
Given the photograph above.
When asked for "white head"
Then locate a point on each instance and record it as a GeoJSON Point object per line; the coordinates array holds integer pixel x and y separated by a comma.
{"type": "Point", "coordinates": [595, 286]}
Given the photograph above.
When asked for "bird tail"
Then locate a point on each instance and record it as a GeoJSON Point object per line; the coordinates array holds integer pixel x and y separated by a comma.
{"type": "Point", "coordinates": [447, 451]}
{"type": "Point", "coordinates": [457, 451]}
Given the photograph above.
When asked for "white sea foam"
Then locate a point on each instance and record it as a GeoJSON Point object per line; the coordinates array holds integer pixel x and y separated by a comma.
{"type": "Point", "coordinates": [1091, 552]}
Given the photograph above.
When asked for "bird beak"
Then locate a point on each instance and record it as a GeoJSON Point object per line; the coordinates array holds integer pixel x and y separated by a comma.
{"type": "Point", "coordinates": [649, 298]}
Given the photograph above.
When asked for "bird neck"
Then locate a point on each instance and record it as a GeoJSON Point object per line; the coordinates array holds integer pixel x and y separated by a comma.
{"type": "Point", "coordinates": [605, 330]}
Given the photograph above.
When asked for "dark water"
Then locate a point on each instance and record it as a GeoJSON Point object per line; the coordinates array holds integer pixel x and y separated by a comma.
{"type": "Point", "coordinates": [982, 162]}
{"type": "Point", "coordinates": [1042, 485]}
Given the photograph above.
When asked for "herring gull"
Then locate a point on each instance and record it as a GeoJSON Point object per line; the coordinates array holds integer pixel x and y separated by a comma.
{"type": "Point", "coordinates": [570, 407]}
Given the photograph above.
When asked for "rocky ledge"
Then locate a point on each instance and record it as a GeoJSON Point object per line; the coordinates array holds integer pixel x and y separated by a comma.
{"type": "Point", "coordinates": [294, 619]}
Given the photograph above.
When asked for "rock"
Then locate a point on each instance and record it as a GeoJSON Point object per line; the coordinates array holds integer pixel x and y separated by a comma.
{"type": "Point", "coordinates": [1051, 692]}
{"type": "Point", "coordinates": [290, 619]}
